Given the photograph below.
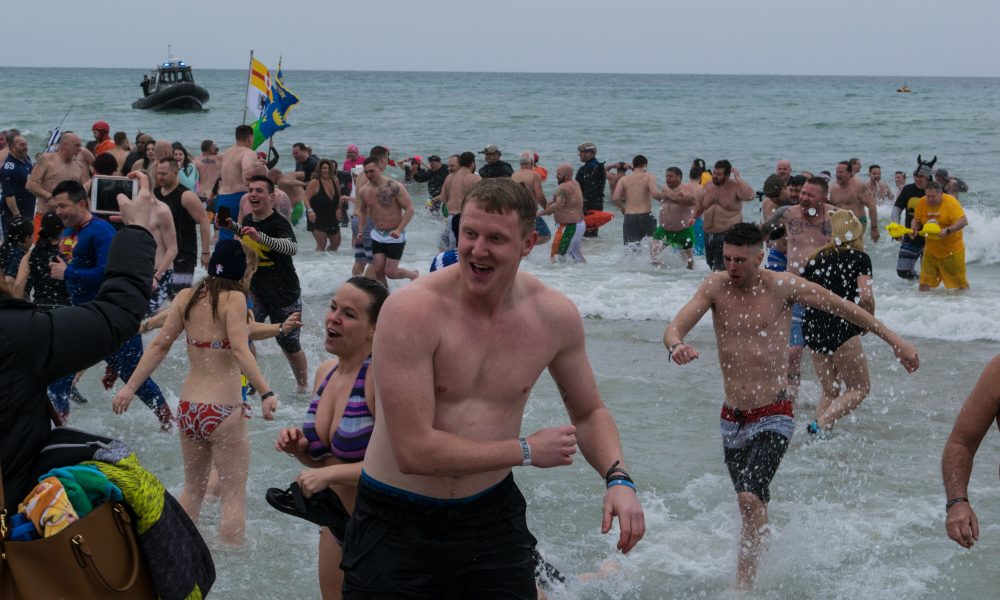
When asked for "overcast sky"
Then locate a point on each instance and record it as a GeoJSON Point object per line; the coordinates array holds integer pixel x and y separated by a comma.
{"type": "Point", "coordinates": [849, 37]}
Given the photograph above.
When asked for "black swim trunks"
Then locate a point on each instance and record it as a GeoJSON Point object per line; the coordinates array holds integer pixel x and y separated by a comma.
{"type": "Point", "coordinates": [638, 227]}
{"type": "Point", "coordinates": [402, 545]}
{"type": "Point", "coordinates": [753, 466]}
{"type": "Point", "coordinates": [753, 443]}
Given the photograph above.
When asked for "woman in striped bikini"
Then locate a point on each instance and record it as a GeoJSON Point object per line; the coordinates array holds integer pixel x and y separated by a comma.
{"type": "Point", "coordinates": [339, 422]}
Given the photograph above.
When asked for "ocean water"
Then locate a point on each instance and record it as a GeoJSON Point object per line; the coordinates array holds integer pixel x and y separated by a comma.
{"type": "Point", "coordinates": [859, 515]}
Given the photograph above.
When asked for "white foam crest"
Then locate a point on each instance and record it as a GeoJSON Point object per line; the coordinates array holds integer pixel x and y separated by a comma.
{"type": "Point", "coordinates": [982, 236]}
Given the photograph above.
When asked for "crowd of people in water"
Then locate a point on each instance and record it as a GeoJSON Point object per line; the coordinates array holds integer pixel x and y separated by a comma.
{"type": "Point", "coordinates": [413, 485]}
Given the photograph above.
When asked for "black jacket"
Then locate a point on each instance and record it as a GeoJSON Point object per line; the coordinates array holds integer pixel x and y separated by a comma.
{"type": "Point", "coordinates": [496, 169]}
{"type": "Point", "coordinates": [434, 179]}
{"type": "Point", "coordinates": [37, 347]}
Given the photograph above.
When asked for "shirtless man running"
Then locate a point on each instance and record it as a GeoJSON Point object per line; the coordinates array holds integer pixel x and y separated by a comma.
{"type": "Point", "coordinates": [751, 310]}
{"type": "Point", "coordinates": [238, 164]}
{"type": "Point", "coordinates": [634, 196]}
{"type": "Point", "coordinates": [387, 203]}
{"type": "Point", "coordinates": [458, 353]}
{"type": "Point", "coordinates": [532, 181]}
{"type": "Point", "coordinates": [850, 194]}
{"type": "Point", "coordinates": [65, 164]}
{"type": "Point", "coordinates": [721, 207]}
{"type": "Point", "coordinates": [456, 185]}
{"type": "Point", "coordinates": [567, 210]}
{"type": "Point", "coordinates": [676, 217]}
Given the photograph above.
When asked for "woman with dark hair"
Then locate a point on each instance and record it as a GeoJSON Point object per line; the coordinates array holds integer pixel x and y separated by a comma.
{"type": "Point", "coordinates": [187, 174]}
{"type": "Point", "coordinates": [211, 416]}
{"type": "Point", "coordinates": [340, 419]}
{"type": "Point", "coordinates": [323, 206]}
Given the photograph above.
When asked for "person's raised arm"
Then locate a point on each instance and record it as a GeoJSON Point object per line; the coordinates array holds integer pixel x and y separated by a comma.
{"type": "Point", "coordinates": [654, 192]}
{"type": "Point", "coordinates": [815, 296]}
{"type": "Point", "coordinates": [744, 192]}
{"type": "Point", "coordinates": [980, 411]}
{"type": "Point", "coordinates": [681, 195]}
{"type": "Point", "coordinates": [52, 340]}
{"type": "Point", "coordinates": [596, 432]}
{"type": "Point", "coordinates": [777, 220]}
{"type": "Point", "coordinates": [685, 320]}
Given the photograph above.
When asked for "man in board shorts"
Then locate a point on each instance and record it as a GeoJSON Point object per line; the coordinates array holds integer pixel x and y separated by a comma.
{"type": "Point", "coordinates": [751, 311]}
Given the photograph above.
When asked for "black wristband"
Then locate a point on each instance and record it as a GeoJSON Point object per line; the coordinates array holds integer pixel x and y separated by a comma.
{"type": "Point", "coordinates": [616, 469]}
{"type": "Point", "coordinates": [954, 501]}
{"type": "Point", "coordinates": [267, 395]}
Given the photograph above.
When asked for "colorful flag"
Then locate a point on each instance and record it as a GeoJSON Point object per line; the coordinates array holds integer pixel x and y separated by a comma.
{"type": "Point", "coordinates": [259, 88]}
{"type": "Point", "coordinates": [273, 117]}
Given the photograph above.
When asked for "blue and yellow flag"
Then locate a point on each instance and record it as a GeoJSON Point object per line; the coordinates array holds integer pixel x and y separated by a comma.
{"type": "Point", "coordinates": [273, 117]}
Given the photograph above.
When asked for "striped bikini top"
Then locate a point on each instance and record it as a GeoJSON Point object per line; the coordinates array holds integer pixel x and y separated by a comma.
{"type": "Point", "coordinates": [350, 439]}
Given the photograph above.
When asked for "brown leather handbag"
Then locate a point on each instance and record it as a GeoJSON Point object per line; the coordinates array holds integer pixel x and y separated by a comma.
{"type": "Point", "coordinates": [95, 558]}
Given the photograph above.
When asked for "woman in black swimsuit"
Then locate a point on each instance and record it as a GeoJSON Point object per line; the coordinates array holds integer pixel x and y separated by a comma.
{"type": "Point", "coordinates": [323, 206]}
{"type": "Point", "coordinates": [843, 268]}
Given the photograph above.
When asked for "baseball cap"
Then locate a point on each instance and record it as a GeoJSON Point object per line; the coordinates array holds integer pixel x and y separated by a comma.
{"type": "Point", "coordinates": [417, 158]}
{"type": "Point", "coordinates": [942, 173]}
{"type": "Point", "coordinates": [587, 147]}
{"type": "Point", "coordinates": [101, 126]}
{"type": "Point", "coordinates": [434, 158]}
{"type": "Point", "coordinates": [490, 149]}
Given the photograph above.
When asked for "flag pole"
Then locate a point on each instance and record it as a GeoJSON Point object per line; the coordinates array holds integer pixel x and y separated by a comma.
{"type": "Point", "coordinates": [246, 97]}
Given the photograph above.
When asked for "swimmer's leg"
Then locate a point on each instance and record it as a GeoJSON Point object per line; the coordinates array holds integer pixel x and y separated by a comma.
{"type": "Point", "coordinates": [331, 578]}
{"type": "Point", "coordinates": [230, 453]}
{"type": "Point", "coordinates": [852, 368]}
{"type": "Point", "coordinates": [753, 512]}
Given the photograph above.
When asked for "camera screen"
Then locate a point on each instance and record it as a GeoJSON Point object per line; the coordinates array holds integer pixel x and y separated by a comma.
{"type": "Point", "coordinates": [105, 193]}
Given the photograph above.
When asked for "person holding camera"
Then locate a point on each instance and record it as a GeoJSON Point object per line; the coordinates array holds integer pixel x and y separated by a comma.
{"type": "Point", "coordinates": [84, 259]}
{"type": "Point", "coordinates": [38, 347]}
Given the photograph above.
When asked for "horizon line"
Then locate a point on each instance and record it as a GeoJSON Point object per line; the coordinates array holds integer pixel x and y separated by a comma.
{"type": "Point", "coordinates": [431, 71]}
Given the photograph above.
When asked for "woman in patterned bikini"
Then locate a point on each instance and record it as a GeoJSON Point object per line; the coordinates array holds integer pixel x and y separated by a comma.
{"type": "Point", "coordinates": [339, 422]}
{"type": "Point", "coordinates": [211, 415]}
